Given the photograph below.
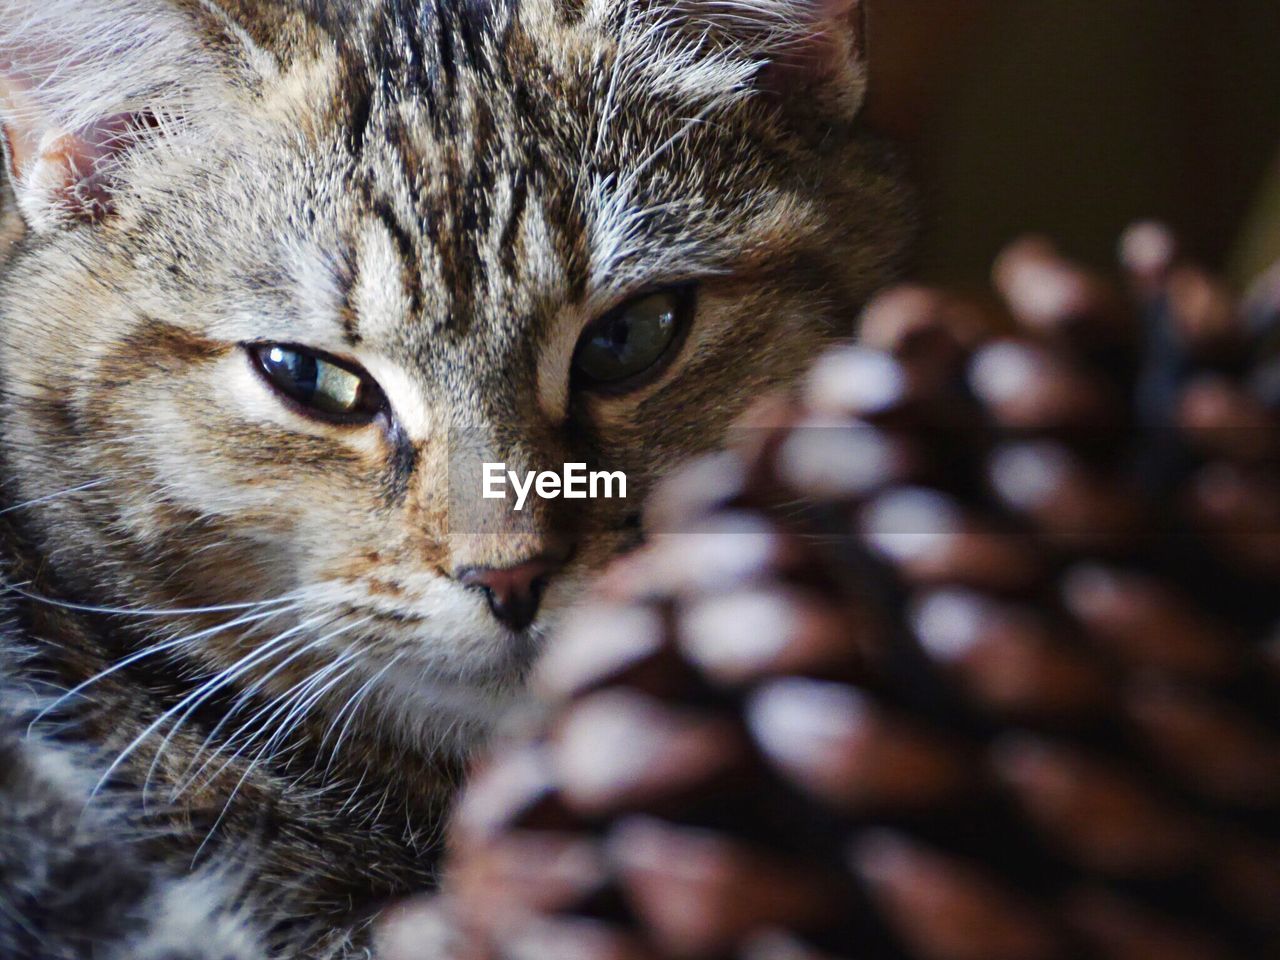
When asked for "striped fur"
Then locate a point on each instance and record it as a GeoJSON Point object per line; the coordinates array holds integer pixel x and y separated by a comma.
{"type": "Point", "coordinates": [74, 879]}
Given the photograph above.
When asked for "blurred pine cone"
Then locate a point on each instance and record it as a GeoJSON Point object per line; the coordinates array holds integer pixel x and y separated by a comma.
{"type": "Point", "coordinates": [965, 653]}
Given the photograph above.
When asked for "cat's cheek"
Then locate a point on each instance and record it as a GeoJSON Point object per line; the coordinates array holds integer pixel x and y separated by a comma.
{"type": "Point", "coordinates": [217, 443]}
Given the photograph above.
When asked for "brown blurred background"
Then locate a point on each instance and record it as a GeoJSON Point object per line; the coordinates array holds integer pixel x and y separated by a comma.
{"type": "Point", "coordinates": [1077, 117]}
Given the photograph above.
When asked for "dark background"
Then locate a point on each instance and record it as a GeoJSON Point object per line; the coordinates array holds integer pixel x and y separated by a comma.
{"type": "Point", "coordinates": [1074, 117]}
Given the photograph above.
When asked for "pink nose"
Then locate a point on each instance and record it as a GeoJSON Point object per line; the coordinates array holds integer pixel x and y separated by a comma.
{"type": "Point", "coordinates": [514, 593]}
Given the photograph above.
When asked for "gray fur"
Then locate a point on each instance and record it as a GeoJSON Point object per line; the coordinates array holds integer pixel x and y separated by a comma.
{"type": "Point", "coordinates": [73, 884]}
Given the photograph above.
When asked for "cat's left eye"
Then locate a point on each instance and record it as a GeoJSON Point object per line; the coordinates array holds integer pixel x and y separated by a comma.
{"type": "Point", "coordinates": [317, 384]}
{"type": "Point", "coordinates": [632, 344]}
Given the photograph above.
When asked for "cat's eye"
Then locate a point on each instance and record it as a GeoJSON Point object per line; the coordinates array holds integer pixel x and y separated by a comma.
{"type": "Point", "coordinates": [317, 384]}
{"type": "Point", "coordinates": [633, 343]}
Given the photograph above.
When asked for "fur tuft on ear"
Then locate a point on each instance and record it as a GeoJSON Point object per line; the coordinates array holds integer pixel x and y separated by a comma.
{"type": "Point", "coordinates": [825, 52]}
{"type": "Point", "coordinates": [767, 26]}
{"type": "Point", "coordinates": [82, 84]}
{"type": "Point", "coordinates": [810, 53]}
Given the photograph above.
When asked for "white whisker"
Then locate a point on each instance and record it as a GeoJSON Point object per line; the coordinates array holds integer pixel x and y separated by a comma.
{"type": "Point", "coordinates": [221, 680]}
{"type": "Point", "coordinates": [295, 716]}
{"type": "Point", "coordinates": [217, 682]}
{"type": "Point", "coordinates": [141, 611]}
{"type": "Point", "coordinates": [269, 707]}
{"type": "Point", "coordinates": [53, 496]}
{"type": "Point", "coordinates": [292, 698]}
{"type": "Point", "coordinates": [351, 708]}
{"type": "Point", "coordinates": [184, 640]}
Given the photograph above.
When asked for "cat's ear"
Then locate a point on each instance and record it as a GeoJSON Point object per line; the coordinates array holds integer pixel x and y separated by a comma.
{"type": "Point", "coordinates": [84, 84]}
{"type": "Point", "coordinates": [827, 57]}
{"type": "Point", "coordinates": [810, 53]}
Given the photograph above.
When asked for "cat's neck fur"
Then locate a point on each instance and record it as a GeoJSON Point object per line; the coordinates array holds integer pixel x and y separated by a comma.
{"type": "Point", "coordinates": [326, 838]}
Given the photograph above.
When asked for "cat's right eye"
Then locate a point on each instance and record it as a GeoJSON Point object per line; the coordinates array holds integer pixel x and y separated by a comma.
{"type": "Point", "coordinates": [318, 385]}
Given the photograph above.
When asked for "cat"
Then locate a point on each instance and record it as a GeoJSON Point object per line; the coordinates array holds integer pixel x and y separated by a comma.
{"type": "Point", "coordinates": [275, 275]}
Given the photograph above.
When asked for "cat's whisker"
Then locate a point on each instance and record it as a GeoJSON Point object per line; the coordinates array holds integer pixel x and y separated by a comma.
{"type": "Point", "coordinates": [246, 696]}
{"type": "Point", "coordinates": [271, 707]}
{"type": "Point", "coordinates": [607, 112]}
{"type": "Point", "coordinates": [217, 682]}
{"type": "Point", "coordinates": [53, 496]}
{"type": "Point", "coordinates": [351, 708]}
{"type": "Point", "coordinates": [19, 589]}
{"type": "Point", "coordinates": [298, 691]}
{"type": "Point", "coordinates": [225, 677]}
{"type": "Point", "coordinates": [356, 791]}
{"type": "Point", "coordinates": [185, 640]}
{"type": "Point", "coordinates": [299, 712]}
{"type": "Point", "coordinates": [302, 709]}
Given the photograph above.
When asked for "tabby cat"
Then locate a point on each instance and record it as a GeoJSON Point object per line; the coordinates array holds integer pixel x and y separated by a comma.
{"type": "Point", "coordinates": [272, 274]}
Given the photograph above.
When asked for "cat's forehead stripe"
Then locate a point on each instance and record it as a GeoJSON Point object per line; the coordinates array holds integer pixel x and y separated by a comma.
{"type": "Point", "coordinates": [462, 131]}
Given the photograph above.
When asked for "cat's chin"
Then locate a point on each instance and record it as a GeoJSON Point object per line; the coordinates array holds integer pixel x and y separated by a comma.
{"type": "Point", "coordinates": [453, 714]}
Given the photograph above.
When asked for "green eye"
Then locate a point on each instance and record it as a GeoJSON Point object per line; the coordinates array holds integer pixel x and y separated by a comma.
{"type": "Point", "coordinates": [318, 385]}
{"type": "Point", "coordinates": [630, 345]}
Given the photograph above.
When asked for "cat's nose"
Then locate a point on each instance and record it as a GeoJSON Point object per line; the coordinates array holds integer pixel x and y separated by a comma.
{"type": "Point", "coordinates": [514, 593]}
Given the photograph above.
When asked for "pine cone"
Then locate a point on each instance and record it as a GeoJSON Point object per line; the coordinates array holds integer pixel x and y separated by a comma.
{"type": "Point", "coordinates": [962, 654]}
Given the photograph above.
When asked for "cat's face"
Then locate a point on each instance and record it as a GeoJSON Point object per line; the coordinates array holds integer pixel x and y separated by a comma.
{"type": "Point", "coordinates": [286, 277]}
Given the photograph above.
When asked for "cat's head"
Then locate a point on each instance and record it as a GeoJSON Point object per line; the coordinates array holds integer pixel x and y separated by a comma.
{"type": "Point", "coordinates": [286, 270]}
